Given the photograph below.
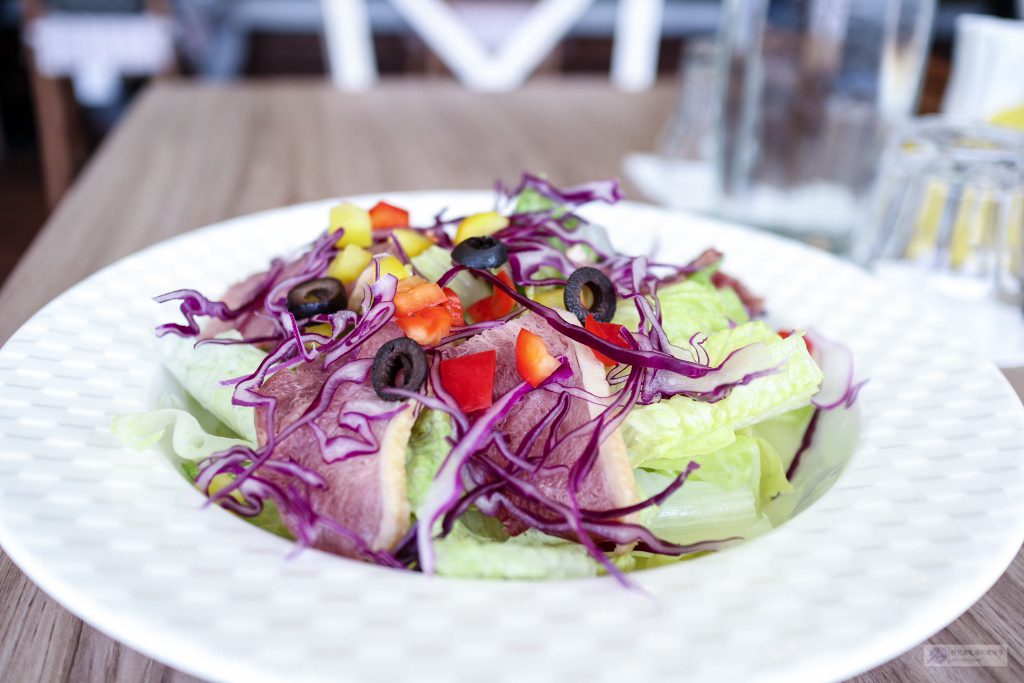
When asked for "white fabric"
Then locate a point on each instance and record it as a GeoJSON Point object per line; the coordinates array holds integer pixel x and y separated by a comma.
{"type": "Point", "coordinates": [96, 50]}
{"type": "Point", "coordinates": [988, 61]}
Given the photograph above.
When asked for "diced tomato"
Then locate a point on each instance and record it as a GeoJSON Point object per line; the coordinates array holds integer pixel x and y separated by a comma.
{"type": "Point", "coordinates": [426, 326]}
{"type": "Point", "coordinates": [384, 215]}
{"type": "Point", "coordinates": [470, 379]}
{"type": "Point", "coordinates": [807, 342]}
{"type": "Point", "coordinates": [610, 332]}
{"type": "Point", "coordinates": [534, 362]}
{"type": "Point", "coordinates": [415, 294]}
{"type": "Point", "coordinates": [494, 306]}
{"type": "Point", "coordinates": [454, 306]}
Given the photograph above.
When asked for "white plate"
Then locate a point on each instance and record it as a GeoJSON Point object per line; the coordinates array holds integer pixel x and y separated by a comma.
{"type": "Point", "coordinates": [917, 528]}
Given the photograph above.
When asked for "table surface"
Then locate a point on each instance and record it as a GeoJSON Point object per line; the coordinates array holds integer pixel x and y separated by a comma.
{"type": "Point", "coordinates": [188, 155]}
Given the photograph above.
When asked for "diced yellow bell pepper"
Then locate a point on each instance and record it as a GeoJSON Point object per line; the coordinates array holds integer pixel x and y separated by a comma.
{"type": "Point", "coordinates": [480, 225]}
{"type": "Point", "coordinates": [349, 263]}
{"type": "Point", "coordinates": [390, 265]}
{"type": "Point", "coordinates": [552, 298]}
{"type": "Point", "coordinates": [323, 329]}
{"type": "Point", "coordinates": [355, 221]}
{"type": "Point", "coordinates": [413, 242]}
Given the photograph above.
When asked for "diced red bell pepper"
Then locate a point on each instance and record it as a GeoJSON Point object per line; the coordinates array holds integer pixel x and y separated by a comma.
{"type": "Point", "coordinates": [610, 332]}
{"type": "Point", "coordinates": [426, 326]}
{"type": "Point", "coordinates": [807, 342]}
{"type": "Point", "coordinates": [534, 362]}
{"type": "Point", "coordinates": [470, 379]}
{"type": "Point", "coordinates": [494, 306]}
{"type": "Point", "coordinates": [415, 294]}
{"type": "Point", "coordinates": [384, 215]}
{"type": "Point", "coordinates": [454, 306]}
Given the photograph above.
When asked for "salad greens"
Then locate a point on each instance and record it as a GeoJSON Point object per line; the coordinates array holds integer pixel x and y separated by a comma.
{"type": "Point", "coordinates": [655, 436]}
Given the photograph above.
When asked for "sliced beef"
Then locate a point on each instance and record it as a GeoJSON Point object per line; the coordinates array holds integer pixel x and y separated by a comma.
{"type": "Point", "coordinates": [365, 493]}
{"type": "Point", "coordinates": [610, 484]}
{"type": "Point", "coordinates": [254, 323]}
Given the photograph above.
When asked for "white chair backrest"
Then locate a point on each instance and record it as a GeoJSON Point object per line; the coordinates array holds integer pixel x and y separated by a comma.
{"type": "Point", "coordinates": [504, 66]}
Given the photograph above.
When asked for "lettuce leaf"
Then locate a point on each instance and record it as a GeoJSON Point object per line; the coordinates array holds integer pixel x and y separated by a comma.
{"type": "Point", "coordinates": [200, 370]}
{"type": "Point", "coordinates": [269, 519]}
{"type": "Point", "coordinates": [785, 432]}
{"type": "Point", "coordinates": [426, 450]}
{"type": "Point", "coordinates": [689, 307]}
{"type": "Point", "coordinates": [530, 555]}
{"type": "Point", "coordinates": [185, 436]}
{"type": "Point", "coordinates": [791, 387]}
{"type": "Point", "coordinates": [435, 261]}
{"type": "Point", "coordinates": [773, 474]}
{"type": "Point", "coordinates": [700, 510]}
{"type": "Point", "coordinates": [681, 427]}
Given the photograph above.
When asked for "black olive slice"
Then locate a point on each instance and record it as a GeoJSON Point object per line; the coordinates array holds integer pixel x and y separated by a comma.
{"type": "Point", "coordinates": [314, 297]}
{"type": "Point", "coordinates": [401, 354]}
{"type": "Point", "coordinates": [601, 290]}
{"type": "Point", "coordinates": [480, 252]}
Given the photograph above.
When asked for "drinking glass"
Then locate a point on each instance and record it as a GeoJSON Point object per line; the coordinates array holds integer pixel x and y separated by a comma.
{"type": "Point", "coordinates": [950, 204]}
{"type": "Point", "coordinates": [808, 91]}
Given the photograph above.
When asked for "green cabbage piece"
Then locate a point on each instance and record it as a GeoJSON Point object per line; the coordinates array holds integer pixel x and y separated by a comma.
{"type": "Point", "coordinates": [747, 462]}
{"type": "Point", "coordinates": [205, 421]}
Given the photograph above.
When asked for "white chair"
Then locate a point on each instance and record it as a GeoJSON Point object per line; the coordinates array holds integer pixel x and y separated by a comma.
{"type": "Point", "coordinates": [506, 65]}
{"type": "Point", "coordinates": [80, 58]}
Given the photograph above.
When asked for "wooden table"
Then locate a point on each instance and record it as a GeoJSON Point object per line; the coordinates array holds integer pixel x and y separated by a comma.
{"type": "Point", "coordinates": [189, 155]}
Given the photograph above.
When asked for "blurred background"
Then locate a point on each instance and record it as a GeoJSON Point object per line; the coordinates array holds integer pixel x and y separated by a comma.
{"type": "Point", "coordinates": [222, 40]}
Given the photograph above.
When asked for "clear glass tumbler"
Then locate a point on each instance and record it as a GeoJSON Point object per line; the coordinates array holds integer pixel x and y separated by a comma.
{"type": "Point", "coordinates": [808, 91]}
{"type": "Point", "coordinates": [950, 204]}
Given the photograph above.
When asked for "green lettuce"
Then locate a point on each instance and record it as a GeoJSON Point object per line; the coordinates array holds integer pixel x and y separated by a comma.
{"type": "Point", "coordinates": [183, 434]}
{"type": "Point", "coordinates": [269, 519]}
{"type": "Point", "coordinates": [689, 307]}
{"type": "Point", "coordinates": [700, 510]}
{"type": "Point", "coordinates": [681, 427]}
{"type": "Point", "coordinates": [529, 200]}
{"type": "Point", "coordinates": [530, 555]}
{"type": "Point", "coordinates": [200, 370]}
{"type": "Point", "coordinates": [784, 432]}
{"type": "Point", "coordinates": [426, 450]}
{"type": "Point", "coordinates": [435, 261]}
{"type": "Point", "coordinates": [477, 545]}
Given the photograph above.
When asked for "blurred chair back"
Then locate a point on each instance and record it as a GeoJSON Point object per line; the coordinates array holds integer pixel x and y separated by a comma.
{"type": "Point", "coordinates": [505, 64]}
{"type": "Point", "coordinates": [79, 50]}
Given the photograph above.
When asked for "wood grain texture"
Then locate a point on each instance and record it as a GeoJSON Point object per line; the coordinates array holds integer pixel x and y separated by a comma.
{"type": "Point", "coordinates": [190, 155]}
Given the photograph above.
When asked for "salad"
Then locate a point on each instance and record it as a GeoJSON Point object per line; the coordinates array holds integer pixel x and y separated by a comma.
{"type": "Point", "coordinates": [495, 395]}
